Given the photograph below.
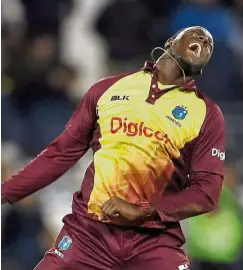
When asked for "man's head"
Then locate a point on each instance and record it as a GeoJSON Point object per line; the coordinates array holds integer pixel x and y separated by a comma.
{"type": "Point", "coordinates": [192, 48]}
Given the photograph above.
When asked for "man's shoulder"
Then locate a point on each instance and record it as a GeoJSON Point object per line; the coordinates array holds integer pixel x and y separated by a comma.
{"type": "Point", "coordinates": [101, 86]}
{"type": "Point", "coordinates": [214, 117]}
{"type": "Point", "coordinates": [108, 81]}
{"type": "Point", "coordinates": [212, 106]}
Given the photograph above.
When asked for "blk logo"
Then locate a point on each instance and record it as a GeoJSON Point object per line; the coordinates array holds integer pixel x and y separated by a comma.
{"type": "Point", "coordinates": [113, 98]}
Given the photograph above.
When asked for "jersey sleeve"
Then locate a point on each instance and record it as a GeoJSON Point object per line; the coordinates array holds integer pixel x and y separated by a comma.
{"type": "Point", "coordinates": [82, 123]}
{"type": "Point", "coordinates": [58, 157]}
{"type": "Point", "coordinates": [62, 153]}
{"type": "Point", "coordinates": [50, 164]}
{"type": "Point", "coordinates": [208, 153]}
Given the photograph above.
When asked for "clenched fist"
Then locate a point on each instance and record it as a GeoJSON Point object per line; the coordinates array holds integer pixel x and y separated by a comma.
{"type": "Point", "coordinates": [118, 209]}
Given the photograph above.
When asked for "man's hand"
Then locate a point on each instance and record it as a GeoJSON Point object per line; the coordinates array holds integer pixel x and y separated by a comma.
{"type": "Point", "coordinates": [118, 209]}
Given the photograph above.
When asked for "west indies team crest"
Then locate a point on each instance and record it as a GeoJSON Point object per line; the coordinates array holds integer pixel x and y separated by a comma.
{"type": "Point", "coordinates": [65, 243]}
{"type": "Point", "coordinates": [180, 112]}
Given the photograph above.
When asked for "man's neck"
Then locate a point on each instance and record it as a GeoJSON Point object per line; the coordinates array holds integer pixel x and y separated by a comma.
{"type": "Point", "coordinates": [168, 72]}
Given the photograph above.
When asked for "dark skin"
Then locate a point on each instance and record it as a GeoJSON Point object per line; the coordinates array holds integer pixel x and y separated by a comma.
{"type": "Point", "coordinates": [121, 211]}
{"type": "Point", "coordinates": [168, 71]}
{"type": "Point", "coordinates": [194, 46]}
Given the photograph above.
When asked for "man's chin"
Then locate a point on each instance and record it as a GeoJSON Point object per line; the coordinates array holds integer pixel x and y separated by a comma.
{"type": "Point", "coordinates": [189, 66]}
{"type": "Point", "coordinates": [191, 60]}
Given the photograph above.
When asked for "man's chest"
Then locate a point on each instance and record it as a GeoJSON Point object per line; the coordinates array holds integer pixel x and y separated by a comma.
{"type": "Point", "coordinates": [175, 116]}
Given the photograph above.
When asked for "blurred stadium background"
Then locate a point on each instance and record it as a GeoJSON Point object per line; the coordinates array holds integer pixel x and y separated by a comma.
{"type": "Point", "coordinates": [53, 50]}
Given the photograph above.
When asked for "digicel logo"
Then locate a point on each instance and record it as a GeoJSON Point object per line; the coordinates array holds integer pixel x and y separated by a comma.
{"type": "Point", "coordinates": [132, 129]}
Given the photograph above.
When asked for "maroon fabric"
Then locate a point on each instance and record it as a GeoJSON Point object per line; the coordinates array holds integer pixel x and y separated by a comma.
{"type": "Point", "coordinates": [100, 246]}
{"type": "Point", "coordinates": [212, 136]}
{"type": "Point", "coordinates": [201, 196]}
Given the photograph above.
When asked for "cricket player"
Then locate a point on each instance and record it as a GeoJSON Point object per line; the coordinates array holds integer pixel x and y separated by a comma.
{"type": "Point", "coordinates": [159, 150]}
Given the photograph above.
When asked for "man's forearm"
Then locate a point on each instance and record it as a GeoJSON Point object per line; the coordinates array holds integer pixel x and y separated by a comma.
{"type": "Point", "coordinates": [201, 197]}
{"type": "Point", "coordinates": [59, 156]}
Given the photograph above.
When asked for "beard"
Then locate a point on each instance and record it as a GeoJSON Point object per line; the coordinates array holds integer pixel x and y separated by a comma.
{"type": "Point", "coordinates": [191, 70]}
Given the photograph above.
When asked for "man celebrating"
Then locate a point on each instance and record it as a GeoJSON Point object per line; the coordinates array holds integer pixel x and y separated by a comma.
{"type": "Point", "coordinates": [159, 148]}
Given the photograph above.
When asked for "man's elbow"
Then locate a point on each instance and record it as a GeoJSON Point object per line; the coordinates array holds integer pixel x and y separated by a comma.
{"type": "Point", "coordinates": [209, 204]}
{"type": "Point", "coordinates": [203, 204]}
{"type": "Point", "coordinates": [207, 187]}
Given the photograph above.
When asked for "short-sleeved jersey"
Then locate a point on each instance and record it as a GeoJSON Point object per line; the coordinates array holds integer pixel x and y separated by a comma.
{"type": "Point", "coordinates": [147, 138]}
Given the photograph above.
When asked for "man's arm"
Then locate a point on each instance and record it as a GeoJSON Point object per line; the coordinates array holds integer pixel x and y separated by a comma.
{"type": "Point", "coordinates": [54, 161]}
{"type": "Point", "coordinates": [62, 153]}
{"type": "Point", "coordinates": [206, 175]}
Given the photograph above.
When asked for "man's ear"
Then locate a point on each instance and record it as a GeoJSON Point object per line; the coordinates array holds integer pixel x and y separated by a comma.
{"type": "Point", "coordinates": [168, 43]}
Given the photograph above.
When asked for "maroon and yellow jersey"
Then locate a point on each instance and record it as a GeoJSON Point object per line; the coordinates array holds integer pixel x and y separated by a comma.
{"type": "Point", "coordinates": [160, 143]}
{"type": "Point", "coordinates": [140, 136]}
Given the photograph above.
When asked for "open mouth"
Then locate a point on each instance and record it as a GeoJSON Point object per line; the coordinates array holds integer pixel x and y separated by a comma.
{"type": "Point", "coordinates": [195, 48]}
